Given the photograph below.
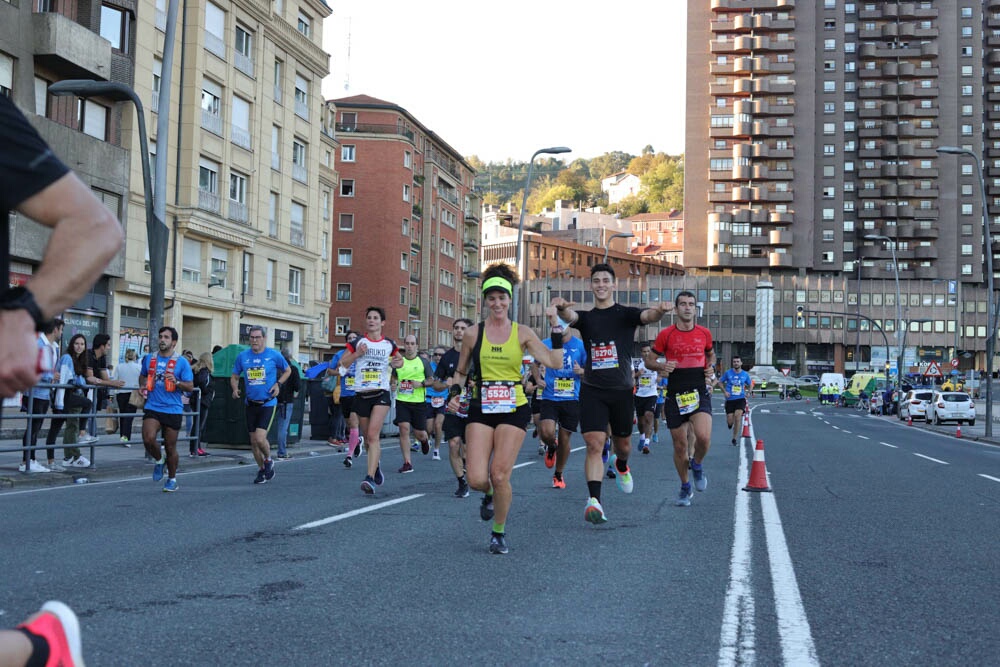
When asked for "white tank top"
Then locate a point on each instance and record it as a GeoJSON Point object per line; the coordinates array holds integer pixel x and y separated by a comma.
{"type": "Point", "coordinates": [371, 370]}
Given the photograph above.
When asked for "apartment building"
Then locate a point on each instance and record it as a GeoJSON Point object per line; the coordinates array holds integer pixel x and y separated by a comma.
{"type": "Point", "coordinates": [246, 175]}
{"type": "Point", "coordinates": [44, 42]}
{"type": "Point", "coordinates": [659, 235]}
{"type": "Point", "coordinates": [407, 230]}
{"type": "Point", "coordinates": [812, 130]}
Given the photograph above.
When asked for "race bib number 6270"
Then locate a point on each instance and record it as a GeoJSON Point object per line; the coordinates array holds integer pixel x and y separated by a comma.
{"type": "Point", "coordinates": [603, 356]}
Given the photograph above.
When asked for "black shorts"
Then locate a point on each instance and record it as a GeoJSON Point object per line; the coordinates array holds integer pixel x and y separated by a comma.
{"type": "Point", "coordinates": [259, 416]}
{"type": "Point", "coordinates": [566, 413]}
{"type": "Point", "coordinates": [732, 405]}
{"type": "Point", "coordinates": [536, 405]}
{"type": "Point", "coordinates": [454, 426]}
{"type": "Point", "coordinates": [363, 403]}
{"type": "Point", "coordinates": [658, 411]}
{"type": "Point", "coordinates": [165, 419]}
{"type": "Point", "coordinates": [602, 407]}
{"type": "Point", "coordinates": [414, 414]}
{"type": "Point", "coordinates": [433, 412]}
{"type": "Point", "coordinates": [644, 404]}
{"type": "Point", "coordinates": [672, 414]}
{"type": "Point", "coordinates": [520, 418]}
{"type": "Point", "coordinates": [346, 405]}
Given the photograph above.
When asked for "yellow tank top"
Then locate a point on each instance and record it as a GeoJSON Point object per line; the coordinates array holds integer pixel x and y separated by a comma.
{"type": "Point", "coordinates": [501, 363]}
{"type": "Point", "coordinates": [411, 377]}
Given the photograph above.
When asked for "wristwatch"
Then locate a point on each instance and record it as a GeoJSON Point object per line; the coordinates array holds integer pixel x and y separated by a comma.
{"type": "Point", "coordinates": [19, 298]}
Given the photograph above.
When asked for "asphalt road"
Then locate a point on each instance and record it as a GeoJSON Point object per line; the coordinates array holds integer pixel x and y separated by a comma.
{"type": "Point", "coordinates": [865, 553]}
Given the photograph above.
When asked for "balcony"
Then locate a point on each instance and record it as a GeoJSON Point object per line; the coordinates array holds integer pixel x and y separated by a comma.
{"type": "Point", "coordinates": [243, 63]}
{"type": "Point", "coordinates": [369, 128]}
{"type": "Point", "coordinates": [780, 237]}
{"type": "Point", "coordinates": [780, 259]}
{"type": "Point", "coordinates": [211, 122]}
{"type": "Point", "coordinates": [414, 311]}
{"type": "Point", "coordinates": [471, 219]}
{"type": "Point", "coordinates": [208, 201]}
{"type": "Point", "coordinates": [470, 245]}
{"type": "Point", "coordinates": [297, 237]}
{"type": "Point", "coordinates": [215, 45]}
{"type": "Point", "coordinates": [154, 102]}
{"type": "Point", "coordinates": [161, 20]}
{"type": "Point", "coordinates": [469, 300]}
{"type": "Point", "coordinates": [238, 212]}
{"type": "Point", "coordinates": [448, 194]}
{"type": "Point", "coordinates": [301, 109]}
{"type": "Point", "coordinates": [68, 48]}
{"type": "Point", "coordinates": [300, 173]}
{"type": "Point", "coordinates": [415, 278]}
{"type": "Point", "coordinates": [240, 137]}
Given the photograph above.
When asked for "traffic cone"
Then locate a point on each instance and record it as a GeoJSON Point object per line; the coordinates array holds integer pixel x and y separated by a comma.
{"type": "Point", "coordinates": [909, 420]}
{"type": "Point", "coordinates": [746, 428]}
{"type": "Point", "coordinates": [958, 431]}
{"type": "Point", "coordinates": [758, 472]}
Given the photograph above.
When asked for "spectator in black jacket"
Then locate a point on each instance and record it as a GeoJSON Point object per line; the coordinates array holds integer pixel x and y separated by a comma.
{"type": "Point", "coordinates": [203, 369]}
{"type": "Point", "coordinates": [286, 396]}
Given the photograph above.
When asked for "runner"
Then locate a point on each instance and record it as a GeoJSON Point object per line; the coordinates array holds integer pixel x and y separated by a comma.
{"type": "Point", "coordinates": [435, 408]}
{"type": "Point", "coordinates": [645, 397]}
{"type": "Point", "coordinates": [661, 396]}
{"type": "Point", "coordinates": [374, 356]}
{"type": "Point", "coordinates": [532, 380]}
{"type": "Point", "coordinates": [355, 441]}
{"type": "Point", "coordinates": [608, 334]}
{"type": "Point", "coordinates": [560, 403]}
{"type": "Point", "coordinates": [411, 410]}
{"type": "Point", "coordinates": [735, 383]}
{"type": "Point", "coordinates": [165, 376]}
{"type": "Point", "coordinates": [690, 362]}
{"type": "Point", "coordinates": [264, 373]}
{"type": "Point", "coordinates": [498, 412]}
{"type": "Point", "coordinates": [455, 419]}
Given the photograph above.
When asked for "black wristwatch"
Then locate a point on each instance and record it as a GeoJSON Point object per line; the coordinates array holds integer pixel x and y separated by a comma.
{"type": "Point", "coordinates": [20, 297]}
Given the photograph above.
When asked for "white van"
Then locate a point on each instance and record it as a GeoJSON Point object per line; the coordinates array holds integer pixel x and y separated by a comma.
{"type": "Point", "coordinates": [836, 379]}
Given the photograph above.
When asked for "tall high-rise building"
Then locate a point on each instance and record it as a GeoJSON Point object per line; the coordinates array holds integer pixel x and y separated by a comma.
{"type": "Point", "coordinates": [812, 130]}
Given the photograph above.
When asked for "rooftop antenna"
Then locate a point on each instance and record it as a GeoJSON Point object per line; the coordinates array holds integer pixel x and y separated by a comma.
{"type": "Point", "coordinates": [347, 77]}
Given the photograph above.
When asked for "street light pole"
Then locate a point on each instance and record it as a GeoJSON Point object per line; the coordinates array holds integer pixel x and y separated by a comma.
{"type": "Point", "coordinates": [899, 303]}
{"type": "Point", "coordinates": [554, 150]}
{"type": "Point", "coordinates": [991, 316]}
{"type": "Point", "coordinates": [607, 243]}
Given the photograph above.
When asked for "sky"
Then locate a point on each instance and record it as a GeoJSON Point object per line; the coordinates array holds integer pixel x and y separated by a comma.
{"type": "Point", "coordinates": [502, 79]}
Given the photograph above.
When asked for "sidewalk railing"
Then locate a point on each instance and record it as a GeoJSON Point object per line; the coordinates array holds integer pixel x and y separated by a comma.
{"type": "Point", "coordinates": [33, 420]}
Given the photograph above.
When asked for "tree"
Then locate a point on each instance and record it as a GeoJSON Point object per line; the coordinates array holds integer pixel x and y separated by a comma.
{"type": "Point", "coordinates": [631, 205]}
{"type": "Point", "coordinates": [609, 163]}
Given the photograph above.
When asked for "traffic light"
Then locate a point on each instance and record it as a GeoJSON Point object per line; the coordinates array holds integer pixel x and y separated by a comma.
{"type": "Point", "coordinates": [800, 317]}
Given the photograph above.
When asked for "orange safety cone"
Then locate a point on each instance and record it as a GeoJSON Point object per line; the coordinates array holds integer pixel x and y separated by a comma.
{"type": "Point", "coordinates": [746, 428]}
{"type": "Point", "coordinates": [958, 431]}
{"type": "Point", "coordinates": [758, 472]}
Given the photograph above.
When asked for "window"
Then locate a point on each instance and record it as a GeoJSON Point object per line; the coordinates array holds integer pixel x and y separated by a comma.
{"type": "Point", "coordinates": [405, 227]}
{"type": "Point", "coordinates": [345, 257]}
{"type": "Point", "coordinates": [304, 24]}
{"type": "Point", "coordinates": [191, 261]}
{"type": "Point", "coordinates": [93, 119]}
{"type": "Point", "coordinates": [347, 153]}
{"type": "Point", "coordinates": [238, 197]}
{"type": "Point", "coordinates": [211, 106]}
{"type": "Point", "coordinates": [343, 291]}
{"type": "Point", "coordinates": [243, 48]}
{"type": "Point", "coordinates": [404, 261]}
{"type": "Point", "coordinates": [407, 159]}
{"type": "Point", "coordinates": [347, 187]}
{"type": "Point", "coordinates": [967, 31]}
{"type": "Point", "coordinates": [299, 171]}
{"type": "Point", "coordinates": [296, 225]}
{"type": "Point", "coordinates": [294, 286]}
{"type": "Point", "coordinates": [272, 228]}
{"type": "Point", "coordinates": [829, 45]}
{"type": "Point", "coordinates": [402, 296]}
{"type": "Point", "coordinates": [278, 75]}
{"type": "Point", "coordinates": [829, 86]}
{"type": "Point", "coordinates": [115, 27]}
{"type": "Point", "coordinates": [215, 30]}
{"type": "Point", "coordinates": [157, 75]}
{"type": "Point", "coordinates": [324, 201]}
{"type": "Point", "coordinates": [41, 96]}
{"type": "Point", "coordinates": [220, 267]}
{"type": "Point", "coordinates": [208, 185]}
{"type": "Point", "coordinates": [6, 74]}
{"type": "Point", "coordinates": [324, 246]}
{"type": "Point", "coordinates": [301, 96]}
{"type": "Point", "coordinates": [343, 325]}
{"type": "Point", "coordinates": [248, 273]}
{"type": "Point", "coordinates": [406, 192]}
{"type": "Point", "coordinates": [241, 122]}
{"type": "Point", "coordinates": [272, 269]}
{"type": "Point", "coordinates": [346, 222]}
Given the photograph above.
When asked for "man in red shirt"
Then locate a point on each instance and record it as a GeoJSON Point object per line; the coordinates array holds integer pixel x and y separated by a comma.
{"type": "Point", "coordinates": [690, 365]}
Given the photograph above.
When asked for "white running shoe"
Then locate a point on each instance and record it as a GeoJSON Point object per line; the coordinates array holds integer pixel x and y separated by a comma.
{"type": "Point", "coordinates": [81, 462]}
{"type": "Point", "coordinates": [33, 466]}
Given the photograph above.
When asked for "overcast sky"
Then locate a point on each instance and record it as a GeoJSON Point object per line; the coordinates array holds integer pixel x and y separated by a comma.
{"type": "Point", "coordinates": [503, 79]}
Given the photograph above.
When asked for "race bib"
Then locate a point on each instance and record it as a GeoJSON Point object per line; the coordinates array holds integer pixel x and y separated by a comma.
{"type": "Point", "coordinates": [565, 388]}
{"type": "Point", "coordinates": [256, 375]}
{"type": "Point", "coordinates": [603, 356]}
{"type": "Point", "coordinates": [437, 401]}
{"type": "Point", "coordinates": [736, 391]}
{"type": "Point", "coordinates": [349, 382]}
{"type": "Point", "coordinates": [688, 402]}
{"type": "Point", "coordinates": [499, 397]}
{"type": "Point", "coordinates": [370, 379]}
{"type": "Point", "coordinates": [406, 388]}
{"type": "Point", "coordinates": [645, 381]}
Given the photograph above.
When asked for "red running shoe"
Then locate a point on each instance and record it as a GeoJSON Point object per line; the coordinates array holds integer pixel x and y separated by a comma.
{"type": "Point", "coordinates": [56, 623]}
{"type": "Point", "coordinates": [550, 457]}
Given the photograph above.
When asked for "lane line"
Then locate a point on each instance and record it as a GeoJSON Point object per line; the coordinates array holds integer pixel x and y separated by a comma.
{"type": "Point", "coordinates": [800, 412]}
{"type": "Point", "coordinates": [357, 512]}
{"type": "Point", "coordinates": [846, 431]}
{"type": "Point", "coordinates": [995, 479]}
{"type": "Point", "coordinates": [521, 465]}
{"type": "Point", "coordinates": [888, 445]}
{"type": "Point", "coordinates": [766, 412]}
{"type": "Point", "coordinates": [931, 459]}
{"type": "Point", "coordinates": [837, 427]}
{"type": "Point", "coordinates": [864, 437]}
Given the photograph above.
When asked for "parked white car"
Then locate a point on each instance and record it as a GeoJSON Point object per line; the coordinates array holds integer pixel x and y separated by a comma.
{"type": "Point", "coordinates": [955, 406]}
{"type": "Point", "coordinates": [914, 404]}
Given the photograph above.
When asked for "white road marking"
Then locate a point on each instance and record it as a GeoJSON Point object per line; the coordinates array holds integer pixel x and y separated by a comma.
{"type": "Point", "coordinates": [764, 411]}
{"type": "Point", "coordinates": [837, 427]}
{"type": "Point", "coordinates": [888, 445]}
{"type": "Point", "coordinates": [521, 465]}
{"type": "Point", "coordinates": [846, 431]}
{"type": "Point", "coordinates": [353, 513]}
{"type": "Point", "coordinates": [930, 459]}
{"type": "Point", "coordinates": [995, 479]}
{"type": "Point", "coordinates": [864, 437]}
{"type": "Point", "coordinates": [800, 412]}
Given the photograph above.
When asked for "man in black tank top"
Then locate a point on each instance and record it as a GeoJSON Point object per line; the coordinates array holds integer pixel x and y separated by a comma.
{"type": "Point", "coordinates": [608, 335]}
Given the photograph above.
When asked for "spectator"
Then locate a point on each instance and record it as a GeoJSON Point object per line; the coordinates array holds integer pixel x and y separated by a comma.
{"type": "Point", "coordinates": [203, 369]}
{"type": "Point", "coordinates": [286, 399]}
{"type": "Point", "coordinates": [98, 376]}
{"type": "Point", "coordinates": [128, 374]}
{"type": "Point", "coordinates": [73, 400]}
{"type": "Point", "coordinates": [48, 350]}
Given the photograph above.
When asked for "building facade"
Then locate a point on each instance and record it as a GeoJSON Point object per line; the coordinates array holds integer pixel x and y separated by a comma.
{"type": "Point", "coordinates": [659, 235]}
{"type": "Point", "coordinates": [407, 224]}
{"type": "Point", "coordinates": [812, 130]}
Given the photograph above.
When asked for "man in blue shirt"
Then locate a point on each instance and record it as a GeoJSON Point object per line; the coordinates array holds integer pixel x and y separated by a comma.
{"type": "Point", "coordinates": [735, 383]}
{"type": "Point", "coordinates": [560, 402]}
{"type": "Point", "coordinates": [436, 399]}
{"type": "Point", "coordinates": [264, 372]}
{"type": "Point", "coordinates": [165, 376]}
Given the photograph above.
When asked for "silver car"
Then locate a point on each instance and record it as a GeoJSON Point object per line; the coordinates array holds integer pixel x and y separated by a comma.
{"type": "Point", "coordinates": [954, 406]}
{"type": "Point", "coordinates": [914, 404]}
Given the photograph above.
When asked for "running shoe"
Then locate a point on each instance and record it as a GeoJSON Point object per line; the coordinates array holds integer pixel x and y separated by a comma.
{"type": "Point", "coordinates": [645, 447]}
{"type": "Point", "coordinates": [84, 462]}
{"type": "Point", "coordinates": [436, 456]}
{"type": "Point", "coordinates": [192, 455]}
{"type": "Point", "coordinates": [125, 441]}
{"type": "Point", "coordinates": [406, 467]}
{"type": "Point", "coordinates": [86, 439]}
{"type": "Point", "coordinates": [486, 508]}
{"type": "Point", "coordinates": [734, 442]}
{"type": "Point", "coordinates": [700, 479]}
{"type": "Point", "coordinates": [541, 449]}
{"type": "Point", "coordinates": [358, 447]}
{"type": "Point", "coordinates": [656, 438]}
{"type": "Point", "coordinates": [379, 478]}
{"type": "Point", "coordinates": [611, 472]}
{"type": "Point", "coordinates": [414, 447]}
{"type": "Point", "coordinates": [550, 456]}
{"type": "Point", "coordinates": [607, 451]}
{"type": "Point", "coordinates": [58, 626]}
{"type": "Point", "coordinates": [202, 452]}
{"type": "Point", "coordinates": [158, 470]}
{"type": "Point", "coordinates": [260, 478]}
{"type": "Point", "coordinates": [558, 483]}
{"type": "Point", "coordinates": [498, 543]}
{"type": "Point", "coordinates": [368, 486]}
{"type": "Point", "coordinates": [269, 469]}
{"type": "Point", "coordinates": [170, 486]}
{"type": "Point", "coordinates": [333, 442]}
{"type": "Point", "coordinates": [594, 512]}
{"type": "Point", "coordinates": [33, 466]}
{"type": "Point", "coordinates": [283, 457]}
{"type": "Point", "coordinates": [347, 462]}
{"type": "Point", "coordinates": [425, 448]}
{"type": "Point", "coordinates": [684, 497]}
{"type": "Point", "coordinates": [624, 479]}
{"type": "Point", "coordinates": [463, 489]}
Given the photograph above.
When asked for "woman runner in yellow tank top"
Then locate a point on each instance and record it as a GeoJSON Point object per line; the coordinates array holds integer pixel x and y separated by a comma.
{"type": "Point", "coordinates": [498, 412]}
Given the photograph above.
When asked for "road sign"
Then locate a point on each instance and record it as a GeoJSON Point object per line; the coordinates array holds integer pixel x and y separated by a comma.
{"type": "Point", "coordinates": [785, 371]}
{"type": "Point", "coordinates": [954, 362]}
{"type": "Point", "coordinates": [933, 370]}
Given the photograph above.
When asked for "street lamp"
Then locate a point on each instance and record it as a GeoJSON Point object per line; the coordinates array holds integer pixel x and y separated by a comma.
{"type": "Point", "coordinates": [607, 243]}
{"type": "Point", "coordinates": [554, 150]}
{"type": "Point", "coordinates": [157, 234]}
{"type": "Point", "coordinates": [991, 317]}
{"type": "Point", "coordinates": [899, 302]}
